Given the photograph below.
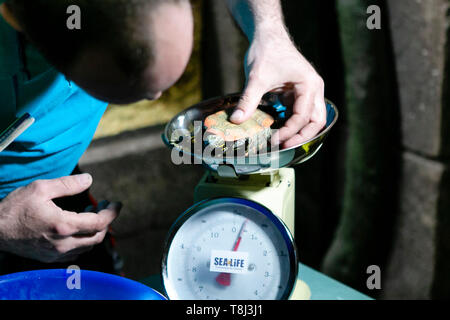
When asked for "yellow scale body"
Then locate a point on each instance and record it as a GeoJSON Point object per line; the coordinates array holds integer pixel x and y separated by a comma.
{"type": "Point", "coordinates": [275, 190]}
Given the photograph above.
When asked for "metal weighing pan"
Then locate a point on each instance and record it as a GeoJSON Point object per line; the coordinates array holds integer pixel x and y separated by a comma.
{"type": "Point", "coordinates": [179, 134]}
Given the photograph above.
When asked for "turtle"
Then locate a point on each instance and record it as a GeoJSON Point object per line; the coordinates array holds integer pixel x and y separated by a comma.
{"type": "Point", "coordinates": [246, 138]}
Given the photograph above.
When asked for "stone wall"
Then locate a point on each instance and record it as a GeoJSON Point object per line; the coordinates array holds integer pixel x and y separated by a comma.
{"type": "Point", "coordinates": [369, 201]}
{"type": "Point", "coordinates": [395, 212]}
{"type": "Point", "coordinates": [419, 262]}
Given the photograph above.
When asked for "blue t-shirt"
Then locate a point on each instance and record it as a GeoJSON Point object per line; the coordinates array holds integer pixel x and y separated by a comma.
{"type": "Point", "coordinates": [66, 117]}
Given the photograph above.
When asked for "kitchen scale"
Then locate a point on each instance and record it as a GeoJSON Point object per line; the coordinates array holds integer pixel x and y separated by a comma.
{"type": "Point", "coordinates": [237, 240]}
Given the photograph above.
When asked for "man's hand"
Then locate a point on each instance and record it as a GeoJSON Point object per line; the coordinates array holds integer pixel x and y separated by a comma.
{"type": "Point", "coordinates": [277, 66]}
{"type": "Point", "coordinates": [273, 64]}
{"type": "Point", "coordinates": [32, 226]}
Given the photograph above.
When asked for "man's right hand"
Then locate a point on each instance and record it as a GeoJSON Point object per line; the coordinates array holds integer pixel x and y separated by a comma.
{"type": "Point", "coordinates": [32, 226]}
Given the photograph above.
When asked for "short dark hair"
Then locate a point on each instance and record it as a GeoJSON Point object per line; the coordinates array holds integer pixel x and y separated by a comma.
{"type": "Point", "coordinates": [111, 24]}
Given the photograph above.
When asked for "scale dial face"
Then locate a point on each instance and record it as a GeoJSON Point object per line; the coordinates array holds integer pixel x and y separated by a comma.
{"type": "Point", "coordinates": [229, 249]}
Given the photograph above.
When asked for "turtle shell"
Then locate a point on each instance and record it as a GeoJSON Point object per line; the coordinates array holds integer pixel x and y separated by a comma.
{"type": "Point", "coordinates": [250, 136]}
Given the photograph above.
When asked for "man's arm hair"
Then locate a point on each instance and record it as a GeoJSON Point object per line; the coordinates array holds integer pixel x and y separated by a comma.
{"type": "Point", "coordinates": [259, 17]}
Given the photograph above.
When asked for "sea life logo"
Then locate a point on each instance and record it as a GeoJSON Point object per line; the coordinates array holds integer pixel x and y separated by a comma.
{"type": "Point", "coordinates": [229, 261]}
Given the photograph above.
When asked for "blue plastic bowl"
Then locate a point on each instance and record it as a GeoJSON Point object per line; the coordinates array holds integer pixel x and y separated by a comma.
{"type": "Point", "coordinates": [53, 285]}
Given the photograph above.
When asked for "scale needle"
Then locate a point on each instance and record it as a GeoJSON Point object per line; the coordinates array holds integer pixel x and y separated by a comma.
{"type": "Point", "coordinates": [223, 278]}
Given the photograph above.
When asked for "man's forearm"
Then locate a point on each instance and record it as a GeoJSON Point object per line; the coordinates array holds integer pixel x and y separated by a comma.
{"type": "Point", "coordinates": [259, 18]}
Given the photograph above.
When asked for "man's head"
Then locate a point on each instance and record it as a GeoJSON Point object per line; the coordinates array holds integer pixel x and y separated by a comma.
{"type": "Point", "coordinates": [125, 51]}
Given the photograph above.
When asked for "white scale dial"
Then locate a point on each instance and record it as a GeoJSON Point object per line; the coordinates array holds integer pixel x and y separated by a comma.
{"type": "Point", "coordinates": [229, 249]}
